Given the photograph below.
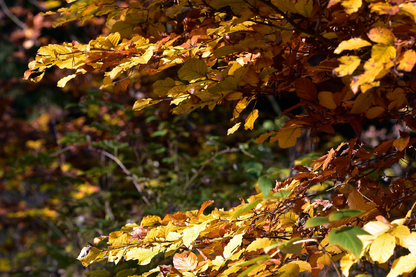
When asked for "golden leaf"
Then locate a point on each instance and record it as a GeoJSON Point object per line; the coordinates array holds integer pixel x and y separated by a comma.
{"type": "Point", "coordinates": [64, 80]}
{"type": "Point", "coordinates": [192, 70]}
{"type": "Point", "coordinates": [401, 143]}
{"type": "Point", "coordinates": [234, 243]}
{"type": "Point", "coordinates": [383, 53]}
{"type": "Point", "coordinates": [233, 129]}
{"type": "Point", "coordinates": [348, 65]}
{"type": "Point", "coordinates": [304, 7]}
{"type": "Point", "coordinates": [408, 9]}
{"type": "Point", "coordinates": [407, 61]}
{"type": "Point", "coordinates": [326, 99]}
{"type": "Point", "coordinates": [346, 262]}
{"type": "Point", "coordinates": [287, 136]}
{"type": "Point", "coordinates": [351, 6]}
{"type": "Point", "coordinates": [264, 136]}
{"type": "Point", "coordinates": [258, 243]}
{"type": "Point", "coordinates": [143, 103]}
{"type": "Point", "coordinates": [362, 103]}
{"type": "Point", "coordinates": [251, 119]}
{"type": "Point", "coordinates": [351, 44]}
{"type": "Point", "coordinates": [381, 35]}
{"type": "Point", "coordinates": [374, 112]}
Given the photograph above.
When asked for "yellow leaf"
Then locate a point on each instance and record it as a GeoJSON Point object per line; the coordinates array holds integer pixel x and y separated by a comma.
{"type": "Point", "coordinates": [191, 234]}
{"type": "Point", "coordinates": [151, 220]}
{"type": "Point", "coordinates": [346, 262]}
{"type": "Point", "coordinates": [382, 53]}
{"type": "Point", "coordinates": [381, 35]}
{"type": "Point", "coordinates": [192, 70]}
{"type": "Point", "coordinates": [401, 232]}
{"type": "Point", "coordinates": [362, 103]}
{"type": "Point", "coordinates": [382, 248]}
{"type": "Point", "coordinates": [325, 259]}
{"type": "Point", "coordinates": [407, 61]}
{"type": "Point", "coordinates": [143, 103]}
{"type": "Point", "coordinates": [233, 129]}
{"type": "Point", "coordinates": [258, 243]}
{"type": "Point", "coordinates": [373, 70]}
{"type": "Point", "coordinates": [348, 65]}
{"type": "Point", "coordinates": [64, 80]}
{"type": "Point", "coordinates": [405, 264]}
{"type": "Point", "coordinates": [384, 8]}
{"type": "Point", "coordinates": [351, 44]}
{"type": "Point", "coordinates": [287, 136]}
{"type": "Point", "coordinates": [376, 228]}
{"type": "Point", "coordinates": [144, 255]}
{"type": "Point", "coordinates": [408, 9]}
{"type": "Point", "coordinates": [251, 119]}
{"type": "Point", "coordinates": [289, 270]}
{"type": "Point", "coordinates": [230, 248]}
{"type": "Point", "coordinates": [351, 6]}
{"type": "Point", "coordinates": [326, 99]}
{"type": "Point", "coordinates": [409, 242]}
{"type": "Point", "coordinates": [241, 105]}
{"type": "Point", "coordinates": [374, 112]}
{"type": "Point", "coordinates": [304, 7]}
{"type": "Point", "coordinates": [38, 78]}
{"type": "Point", "coordinates": [401, 143]}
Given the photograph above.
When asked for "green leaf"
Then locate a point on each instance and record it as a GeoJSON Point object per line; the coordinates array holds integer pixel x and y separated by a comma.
{"type": "Point", "coordinates": [347, 238]}
{"type": "Point", "coordinates": [291, 246]}
{"type": "Point", "coordinates": [265, 184]}
{"type": "Point", "coordinates": [316, 221]}
{"type": "Point", "coordinates": [192, 70]}
{"type": "Point", "coordinates": [342, 214]}
{"type": "Point", "coordinates": [282, 194]}
{"type": "Point", "coordinates": [255, 260]}
{"type": "Point", "coordinates": [246, 208]}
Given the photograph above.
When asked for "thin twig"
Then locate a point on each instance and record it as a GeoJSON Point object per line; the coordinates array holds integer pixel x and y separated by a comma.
{"type": "Point", "coordinates": [12, 16]}
{"type": "Point", "coordinates": [213, 158]}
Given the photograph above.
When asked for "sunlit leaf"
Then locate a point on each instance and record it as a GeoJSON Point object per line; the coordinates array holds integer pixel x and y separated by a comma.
{"type": "Point", "coordinates": [249, 124]}
{"type": "Point", "coordinates": [351, 44]}
{"type": "Point", "coordinates": [192, 70]}
{"type": "Point", "coordinates": [348, 65]}
{"type": "Point", "coordinates": [381, 35]}
{"type": "Point", "coordinates": [316, 221]}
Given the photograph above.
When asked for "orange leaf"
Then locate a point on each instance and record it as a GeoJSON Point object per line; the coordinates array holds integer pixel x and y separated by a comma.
{"type": "Point", "coordinates": [381, 35]}
{"type": "Point", "coordinates": [204, 205]}
{"type": "Point", "coordinates": [187, 261]}
{"type": "Point", "coordinates": [287, 136]}
{"type": "Point", "coordinates": [407, 61]}
{"type": "Point", "coordinates": [401, 143]}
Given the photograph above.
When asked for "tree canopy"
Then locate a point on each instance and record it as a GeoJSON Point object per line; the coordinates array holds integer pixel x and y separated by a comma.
{"type": "Point", "coordinates": [342, 62]}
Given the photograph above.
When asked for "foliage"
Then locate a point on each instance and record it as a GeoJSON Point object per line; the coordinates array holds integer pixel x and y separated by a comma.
{"type": "Point", "coordinates": [345, 61]}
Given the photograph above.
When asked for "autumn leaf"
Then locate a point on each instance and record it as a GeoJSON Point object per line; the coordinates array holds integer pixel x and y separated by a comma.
{"type": "Point", "coordinates": [233, 129]}
{"type": "Point", "coordinates": [287, 136]}
{"type": "Point", "coordinates": [351, 44]}
{"type": "Point", "coordinates": [193, 70]}
{"type": "Point", "coordinates": [143, 103]}
{"type": "Point", "coordinates": [381, 35]}
{"type": "Point", "coordinates": [407, 60]}
{"type": "Point", "coordinates": [348, 65]}
{"type": "Point", "coordinates": [251, 119]}
{"type": "Point", "coordinates": [351, 6]}
{"type": "Point", "coordinates": [187, 261]}
{"type": "Point", "coordinates": [326, 99]}
{"type": "Point", "coordinates": [382, 248]}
